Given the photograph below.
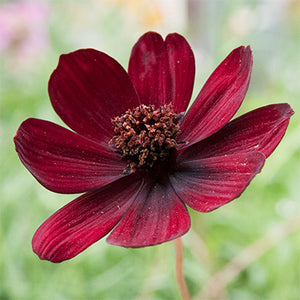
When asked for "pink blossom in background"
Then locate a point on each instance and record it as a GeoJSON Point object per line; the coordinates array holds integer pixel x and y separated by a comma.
{"type": "Point", "coordinates": [24, 28]}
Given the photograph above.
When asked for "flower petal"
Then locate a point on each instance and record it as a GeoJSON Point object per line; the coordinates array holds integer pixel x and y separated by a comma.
{"type": "Point", "coordinates": [87, 89]}
{"type": "Point", "coordinates": [208, 183]}
{"type": "Point", "coordinates": [156, 216]}
{"type": "Point", "coordinates": [220, 97]}
{"type": "Point", "coordinates": [64, 161]}
{"type": "Point", "coordinates": [163, 71]}
{"type": "Point", "coordinates": [261, 129]}
{"type": "Point", "coordinates": [84, 221]}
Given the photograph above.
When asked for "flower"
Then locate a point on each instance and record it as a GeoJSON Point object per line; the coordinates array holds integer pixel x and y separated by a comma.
{"type": "Point", "coordinates": [138, 158]}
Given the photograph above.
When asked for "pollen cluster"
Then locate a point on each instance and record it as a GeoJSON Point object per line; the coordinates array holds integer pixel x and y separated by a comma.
{"type": "Point", "coordinates": [144, 135]}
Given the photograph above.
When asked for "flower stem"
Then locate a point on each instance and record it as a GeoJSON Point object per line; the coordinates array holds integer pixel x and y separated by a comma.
{"type": "Point", "coordinates": [179, 270]}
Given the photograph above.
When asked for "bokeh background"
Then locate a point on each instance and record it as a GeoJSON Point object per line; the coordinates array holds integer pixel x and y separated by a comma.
{"type": "Point", "coordinates": [248, 249]}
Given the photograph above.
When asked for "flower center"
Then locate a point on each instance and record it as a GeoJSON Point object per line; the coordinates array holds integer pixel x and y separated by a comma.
{"type": "Point", "coordinates": [145, 135]}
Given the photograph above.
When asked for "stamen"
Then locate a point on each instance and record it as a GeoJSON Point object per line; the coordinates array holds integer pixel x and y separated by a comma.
{"type": "Point", "coordinates": [145, 135]}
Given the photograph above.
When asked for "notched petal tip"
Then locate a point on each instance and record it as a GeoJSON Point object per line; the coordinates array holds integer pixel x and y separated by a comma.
{"type": "Point", "coordinates": [243, 50]}
{"type": "Point", "coordinates": [286, 109]}
{"type": "Point", "coordinates": [162, 70]}
{"type": "Point", "coordinates": [241, 57]}
{"type": "Point", "coordinates": [155, 34]}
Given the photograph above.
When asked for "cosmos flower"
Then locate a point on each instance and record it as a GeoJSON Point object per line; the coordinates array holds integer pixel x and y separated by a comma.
{"type": "Point", "coordinates": [135, 152]}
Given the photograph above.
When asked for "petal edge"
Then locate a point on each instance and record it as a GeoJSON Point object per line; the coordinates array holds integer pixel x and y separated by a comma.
{"type": "Point", "coordinates": [84, 220]}
{"type": "Point", "coordinates": [220, 97]}
{"type": "Point", "coordinates": [156, 216]}
{"type": "Point", "coordinates": [208, 183]}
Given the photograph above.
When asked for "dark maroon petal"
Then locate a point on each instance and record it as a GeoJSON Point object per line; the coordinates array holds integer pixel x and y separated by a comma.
{"type": "Point", "coordinates": [208, 183]}
{"type": "Point", "coordinates": [220, 97]}
{"type": "Point", "coordinates": [87, 89]}
{"type": "Point", "coordinates": [163, 71]}
{"type": "Point", "coordinates": [261, 130]}
{"type": "Point", "coordinates": [84, 221]}
{"type": "Point", "coordinates": [156, 216]}
{"type": "Point", "coordinates": [64, 161]}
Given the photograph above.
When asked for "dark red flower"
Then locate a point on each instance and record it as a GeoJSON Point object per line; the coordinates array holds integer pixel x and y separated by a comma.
{"type": "Point", "coordinates": [135, 153]}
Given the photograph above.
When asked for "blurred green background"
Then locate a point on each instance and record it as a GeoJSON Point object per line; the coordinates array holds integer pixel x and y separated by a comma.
{"type": "Point", "coordinates": [248, 249]}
